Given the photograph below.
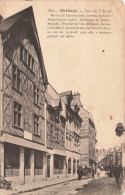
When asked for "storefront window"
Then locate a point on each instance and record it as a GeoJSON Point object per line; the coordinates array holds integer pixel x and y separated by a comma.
{"type": "Point", "coordinates": [58, 164]}
{"type": "Point", "coordinates": [11, 160]}
{"type": "Point", "coordinates": [38, 163]}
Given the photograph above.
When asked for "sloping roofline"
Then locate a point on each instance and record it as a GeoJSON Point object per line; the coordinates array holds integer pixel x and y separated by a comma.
{"type": "Point", "coordinates": [7, 24]}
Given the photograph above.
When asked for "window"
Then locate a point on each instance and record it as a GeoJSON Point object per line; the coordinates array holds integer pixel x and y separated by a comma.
{"type": "Point", "coordinates": [36, 95]}
{"type": "Point", "coordinates": [11, 160]}
{"type": "Point", "coordinates": [30, 61]}
{"type": "Point", "coordinates": [16, 78]}
{"type": "Point", "coordinates": [57, 134]}
{"type": "Point", "coordinates": [21, 52]}
{"type": "Point", "coordinates": [26, 57]}
{"type": "Point", "coordinates": [17, 114]}
{"type": "Point", "coordinates": [62, 138]}
{"type": "Point", "coordinates": [56, 161]}
{"type": "Point", "coordinates": [51, 132]}
{"type": "Point", "coordinates": [38, 159]}
{"type": "Point", "coordinates": [36, 124]}
{"type": "Point", "coordinates": [38, 165]}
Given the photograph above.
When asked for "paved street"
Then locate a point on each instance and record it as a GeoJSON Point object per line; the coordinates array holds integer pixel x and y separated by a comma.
{"type": "Point", "coordinates": [101, 186]}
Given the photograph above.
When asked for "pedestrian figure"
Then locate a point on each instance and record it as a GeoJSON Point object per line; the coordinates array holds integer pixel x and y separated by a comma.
{"type": "Point", "coordinates": [98, 171]}
{"type": "Point", "coordinates": [92, 173]}
{"type": "Point", "coordinates": [117, 170]}
{"type": "Point", "coordinates": [80, 172]}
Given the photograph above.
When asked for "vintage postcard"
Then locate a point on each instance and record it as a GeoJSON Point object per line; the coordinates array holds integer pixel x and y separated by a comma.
{"type": "Point", "coordinates": [62, 97]}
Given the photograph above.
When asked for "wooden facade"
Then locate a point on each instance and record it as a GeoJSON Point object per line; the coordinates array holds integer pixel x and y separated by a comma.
{"type": "Point", "coordinates": [22, 82]}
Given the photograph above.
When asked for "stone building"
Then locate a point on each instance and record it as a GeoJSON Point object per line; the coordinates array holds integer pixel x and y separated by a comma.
{"type": "Point", "coordinates": [111, 157]}
{"type": "Point", "coordinates": [88, 138]}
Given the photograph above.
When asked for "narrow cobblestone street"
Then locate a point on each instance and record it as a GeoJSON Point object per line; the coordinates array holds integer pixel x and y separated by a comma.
{"type": "Point", "coordinates": [101, 186]}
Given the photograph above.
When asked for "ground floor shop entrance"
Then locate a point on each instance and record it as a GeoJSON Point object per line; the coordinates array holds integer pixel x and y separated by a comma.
{"type": "Point", "coordinates": [21, 164]}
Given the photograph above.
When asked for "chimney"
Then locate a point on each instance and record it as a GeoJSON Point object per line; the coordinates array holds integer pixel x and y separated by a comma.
{"type": "Point", "coordinates": [76, 99]}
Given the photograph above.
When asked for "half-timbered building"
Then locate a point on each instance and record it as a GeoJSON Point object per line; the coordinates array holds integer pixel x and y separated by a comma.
{"type": "Point", "coordinates": [22, 83]}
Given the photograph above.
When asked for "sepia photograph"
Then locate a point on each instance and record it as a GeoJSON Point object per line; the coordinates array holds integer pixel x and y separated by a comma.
{"type": "Point", "coordinates": [62, 97]}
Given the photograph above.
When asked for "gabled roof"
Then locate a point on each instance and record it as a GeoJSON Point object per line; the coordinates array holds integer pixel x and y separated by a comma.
{"type": "Point", "coordinates": [7, 24]}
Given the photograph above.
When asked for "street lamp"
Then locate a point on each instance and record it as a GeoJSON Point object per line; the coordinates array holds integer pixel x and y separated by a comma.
{"type": "Point", "coordinates": [119, 129]}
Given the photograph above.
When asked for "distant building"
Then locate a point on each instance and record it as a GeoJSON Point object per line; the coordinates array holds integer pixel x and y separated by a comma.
{"type": "Point", "coordinates": [88, 139]}
{"type": "Point", "coordinates": [73, 124]}
{"type": "Point", "coordinates": [111, 157]}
